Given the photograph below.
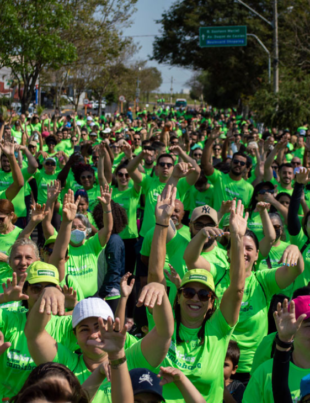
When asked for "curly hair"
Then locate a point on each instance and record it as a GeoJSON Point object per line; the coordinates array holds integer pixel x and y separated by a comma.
{"type": "Point", "coordinates": [79, 169]}
{"type": "Point", "coordinates": [120, 220]}
{"type": "Point", "coordinates": [38, 385]}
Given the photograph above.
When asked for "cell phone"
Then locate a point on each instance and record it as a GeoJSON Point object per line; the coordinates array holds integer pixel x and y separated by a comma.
{"type": "Point", "coordinates": [77, 149]}
{"type": "Point", "coordinates": [36, 137]}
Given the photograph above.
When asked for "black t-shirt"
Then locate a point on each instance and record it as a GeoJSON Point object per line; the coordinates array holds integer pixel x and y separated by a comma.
{"type": "Point", "coordinates": [236, 389]}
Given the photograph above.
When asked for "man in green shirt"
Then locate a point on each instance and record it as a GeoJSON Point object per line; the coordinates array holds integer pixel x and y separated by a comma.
{"type": "Point", "coordinates": [226, 186]}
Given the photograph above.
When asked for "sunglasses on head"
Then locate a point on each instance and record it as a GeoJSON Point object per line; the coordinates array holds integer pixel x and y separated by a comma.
{"type": "Point", "coordinates": [86, 176]}
{"type": "Point", "coordinates": [203, 295]}
{"type": "Point", "coordinates": [50, 164]}
{"type": "Point", "coordinates": [237, 162]}
{"type": "Point", "coordinates": [165, 164]}
{"type": "Point", "coordinates": [263, 191]}
{"type": "Point", "coordinates": [121, 175]}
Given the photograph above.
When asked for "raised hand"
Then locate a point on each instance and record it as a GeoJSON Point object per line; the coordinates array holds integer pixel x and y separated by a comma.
{"type": "Point", "coordinates": [70, 297]}
{"type": "Point", "coordinates": [226, 206]}
{"type": "Point", "coordinates": [151, 295]}
{"type": "Point", "coordinates": [302, 176]}
{"type": "Point", "coordinates": [176, 149]}
{"type": "Point", "coordinates": [112, 338]}
{"type": "Point", "coordinates": [52, 301]}
{"type": "Point", "coordinates": [106, 195]}
{"type": "Point", "coordinates": [169, 375]}
{"type": "Point", "coordinates": [261, 206]}
{"type": "Point", "coordinates": [101, 150]}
{"type": "Point", "coordinates": [215, 133]}
{"type": "Point", "coordinates": [173, 276]}
{"type": "Point", "coordinates": [281, 144]}
{"type": "Point", "coordinates": [146, 153]}
{"type": "Point", "coordinates": [38, 213]}
{"type": "Point", "coordinates": [237, 224]}
{"type": "Point", "coordinates": [286, 323]}
{"type": "Point", "coordinates": [70, 206]}
{"type": "Point", "coordinates": [53, 190]}
{"type": "Point", "coordinates": [290, 256]}
{"type": "Point", "coordinates": [13, 290]}
{"type": "Point", "coordinates": [165, 205]}
{"type": "Point", "coordinates": [8, 147]}
{"type": "Point", "coordinates": [212, 232]}
{"type": "Point", "coordinates": [127, 150]}
{"type": "Point", "coordinates": [182, 169]}
{"type": "Point", "coordinates": [3, 345]}
{"type": "Point", "coordinates": [125, 288]}
{"type": "Point", "coordinates": [307, 144]}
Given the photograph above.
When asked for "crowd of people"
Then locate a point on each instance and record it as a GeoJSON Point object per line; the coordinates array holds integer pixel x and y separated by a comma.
{"type": "Point", "coordinates": [154, 256]}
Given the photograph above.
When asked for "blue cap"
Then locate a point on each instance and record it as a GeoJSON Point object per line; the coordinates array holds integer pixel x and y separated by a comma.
{"type": "Point", "coordinates": [145, 381]}
{"type": "Point", "coordinates": [304, 387]}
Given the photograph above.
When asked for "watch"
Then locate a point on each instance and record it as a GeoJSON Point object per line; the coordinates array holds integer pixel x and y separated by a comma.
{"type": "Point", "coordinates": [116, 363]}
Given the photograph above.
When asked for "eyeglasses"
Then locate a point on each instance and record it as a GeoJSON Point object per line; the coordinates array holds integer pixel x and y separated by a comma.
{"type": "Point", "coordinates": [263, 191]}
{"type": "Point", "coordinates": [74, 140]}
{"type": "Point", "coordinates": [197, 155]}
{"type": "Point", "coordinates": [86, 177]}
{"type": "Point", "coordinates": [237, 162]}
{"type": "Point", "coordinates": [296, 163]}
{"type": "Point", "coordinates": [165, 164]}
{"type": "Point", "coordinates": [277, 227]}
{"type": "Point", "coordinates": [203, 295]}
{"type": "Point", "coordinates": [175, 143]}
{"type": "Point", "coordinates": [274, 167]}
{"type": "Point", "coordinates": [49, 251]}
{"type": "Point", "coordinates": [200, 225]}
{"type": "Point", "coordinates": [50, 164]}
{"type": "Point", "coordinates": [217, 149]}
{"type": "Point", "coordinates": [121, 175]}
{"type": "Point", "coordinates": [137, 138]}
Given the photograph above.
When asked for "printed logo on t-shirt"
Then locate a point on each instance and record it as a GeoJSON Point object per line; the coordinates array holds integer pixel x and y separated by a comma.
{"type": "Point", "coordinates": [16, 360]}
{"type": "Point", "coordinates": [231, 192]}
{"type": "Point", "coordinates": [155, 195]}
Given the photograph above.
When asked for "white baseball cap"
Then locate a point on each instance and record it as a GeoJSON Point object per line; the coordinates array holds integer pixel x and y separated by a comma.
{"type": "Point", "coordinates": [89, 118]}
{"type": "Point", "coordinates": [107, 130]}
{"type": "Point", "coordinates": [91, 307]}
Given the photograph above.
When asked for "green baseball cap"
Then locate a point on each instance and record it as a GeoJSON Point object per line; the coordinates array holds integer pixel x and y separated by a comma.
{"type": "Point", "coordinates": [51, 239]}
{"type": "Point", "coordinates": [200, 276]}
{"type": "Point", "coordinates": [39, 272]}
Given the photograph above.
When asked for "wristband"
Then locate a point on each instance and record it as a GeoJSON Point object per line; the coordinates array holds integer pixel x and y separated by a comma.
{"type": "Point", "coordinates": [283, 344]}
{"type": "Point", "coordinates": [107, 212]}
{"type": "Point", "coordinates": [116, 363]}
{"type": "Point", "coordinates": [161, 225]}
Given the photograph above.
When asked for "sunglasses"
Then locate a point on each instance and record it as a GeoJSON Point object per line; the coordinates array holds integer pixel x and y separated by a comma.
{"type": "Point", "coordinates": [165, 164]}
{"type": "Point", "coordinates": [296, 163]}
{"type": "Point", "coordinates": [37, 288]}
{"type": "Point", "coordinates": [86, 177]}
{"type": "Point", "coordinates": [197, 155]}
{"type": "Point", "coordinates": [263, 191]}
{"type": "Point", "coordinates": [203, 295]}
{"type": "Point", "coordinates": [121, 175]}
{"type": "Point", "coordinates": [275, 167]}
{"type": "Point", "coordinates": [74, 140]}
{"type": "Point", "coordinates": [50, 164]}
{"type": "Point", "coordinates": [137, 139]}
{"type": "Point", "coordinates": [175, 143]}
{"type": "Point", "coordinates": [217, 149]}
{"type": "Point", "coordinates": [237, 162]}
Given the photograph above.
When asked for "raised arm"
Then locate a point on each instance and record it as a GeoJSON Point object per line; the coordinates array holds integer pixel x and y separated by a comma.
{"type": "Point", "coordinates": [18, 180]}
{"type": "Point", "coordinates": [293, 223]}
{"type": "Point", "coordinates": [122, 302]}
{"type": "Point", "coordinates": [206, 163]}
{"type": "Point", "coordinates": [42, 346]}
{"type": "Point", "coordinates": [293, 266]}
{"type": "Point", "coordinates": [163, 212]}
{"type": "Point", "coordinates": [105, 200]}
{"type": "Point", "coordinates": [32, 162]}
{"type": "Point", "coordinates": [194, 173]}
{"type": "Point", "coordinates": [271, 157]}
{"type": "Point", "coordinates": [232, 298]}
{"type": "Point", "coordinates": [58, 257]}
{"type": "Point", "coordinates": [107, 162]}
{"type": "Point", "coordinates": [132, 167]}
{"type": "Point", "coordinates": [38, 214]}
{"type": "Point", "coordinates": [269, 198]}
{"type": "Point", "coordinates": [63, 174]}
{"type": "Point", "coordinates": [101, 176]}
{"type": "Point", "coordinates": [53, 191]}
{"type": "Point", "coordinates": [269, 232]}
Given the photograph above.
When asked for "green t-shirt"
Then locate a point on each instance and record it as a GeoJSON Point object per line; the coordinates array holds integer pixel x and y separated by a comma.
{"type": "Point", "coordinates": [17, 134]}
{"type": "Point", "coordinates": [202, 364]}
{"type": "Point", "coordinates": [259, 388]}
{"type": "Point", "coordinates": [194, 198]}
{"type": "Point", "coordinates": [255, 224]}
{"type": "Point", "coordinates": [300, 240]}
{"type": "Point", "coordinates": [253, 318]}
{"type": "Point", "coordinates": [226, 189]}
{"type": "Point", "coordinates": [263, 352]}
{"type": "Point", "coordinates": [129, 200]}
{"type": "Point", "coordinates": [70, 281]}
{"type": "Point", "coordinates": [16, 363]}
{"type": "Point", "coordinates": [93, 194]}
{"type": "Point", "coordinates": [185, 232]}
{"type": "Point", "coordinates": [6, 180]}
{"type": "Point", "coordinates": [6, 241]}
{"type": "Point", "coordinates": [117, 159]}
{"type": "Point", "coordinates": [152, 188]}
{"type": "Point", "coordinates": [82, 264]}
{"type": "Point", "coordinates": [65, 146]}
{"type": "Point", "coordinates": [43, 180]}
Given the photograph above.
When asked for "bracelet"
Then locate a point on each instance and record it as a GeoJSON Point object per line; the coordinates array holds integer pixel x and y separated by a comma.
{"type": "Point", "coordinates": [107, 212]}
{"type": "Point", "coordinates": [116, 363]}
{"type": "Point", "coordinates": [283, 344]}
{"type": "Point", "coordinates": [161, 225]}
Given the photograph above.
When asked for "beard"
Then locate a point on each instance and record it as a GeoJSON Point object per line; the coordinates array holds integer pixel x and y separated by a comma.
{"type": "Point", "coordinates": [207, 244]}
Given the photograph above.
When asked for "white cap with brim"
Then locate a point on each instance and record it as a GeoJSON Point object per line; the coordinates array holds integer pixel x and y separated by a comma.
{"type": "Point", "coordinates": [49, 159]}
{"type": "Point", "coordinates": [89, 118]}
{"type": "Point", "coordinates": [107, 130]}
{"type": "Point", "coordinates": [91, 307]}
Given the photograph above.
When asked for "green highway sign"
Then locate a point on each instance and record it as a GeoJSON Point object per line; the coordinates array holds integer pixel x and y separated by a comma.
{"type": "Point", "coordinates": [222, 37]}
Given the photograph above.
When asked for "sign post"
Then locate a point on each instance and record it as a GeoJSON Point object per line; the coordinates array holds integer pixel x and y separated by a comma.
{"type": "Point", "coordinates": [222, 37]}
{"type": "Point", "coordinates": [122, 100]}
{"type": "Point", "coordinates": [85, 102]}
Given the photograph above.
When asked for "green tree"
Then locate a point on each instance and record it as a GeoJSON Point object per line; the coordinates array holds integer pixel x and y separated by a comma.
{"type": "Point", "coordinates": [31, 41]}
{"type": "Point", "coordinates": [233, 71]}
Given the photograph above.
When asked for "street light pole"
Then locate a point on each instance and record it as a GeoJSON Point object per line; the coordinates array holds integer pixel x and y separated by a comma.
{"type": "Point", "coordinates": [274, 25]}
{"type": "Point", "coordinates": [276, 47]}
{"type": "Point", "coordinates": [267, 51]}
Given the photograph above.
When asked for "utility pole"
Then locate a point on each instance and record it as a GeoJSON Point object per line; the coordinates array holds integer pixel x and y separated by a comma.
{"type": "Point", "coordinates": [171, 90]}
{"type": "Point", "coordinates": [276, 47]}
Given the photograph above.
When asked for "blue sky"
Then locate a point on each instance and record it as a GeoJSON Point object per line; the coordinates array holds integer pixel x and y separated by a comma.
{"type": "Point", "coordinates": [144, 24]}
